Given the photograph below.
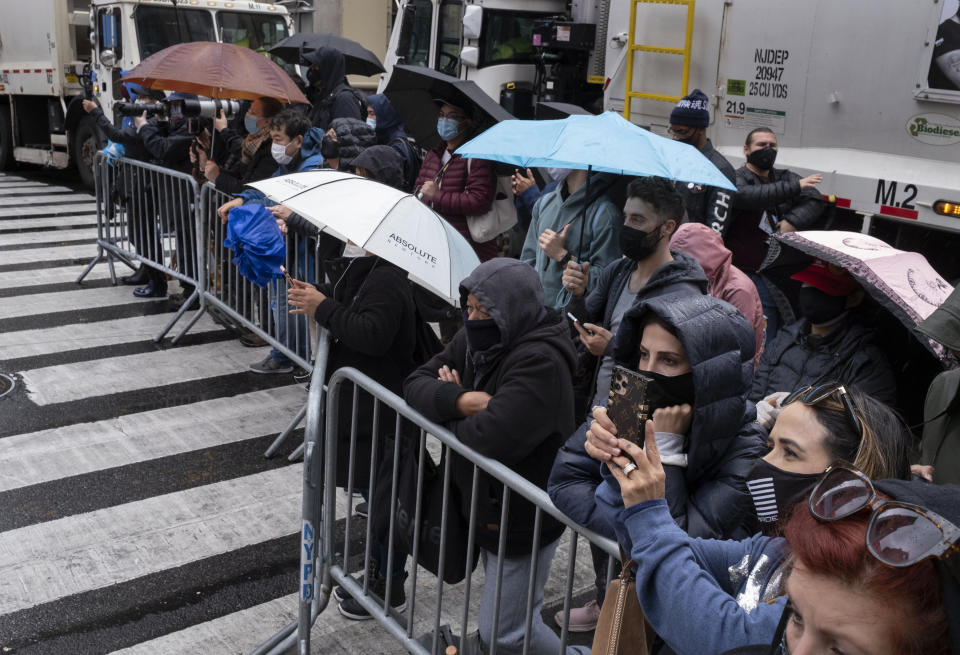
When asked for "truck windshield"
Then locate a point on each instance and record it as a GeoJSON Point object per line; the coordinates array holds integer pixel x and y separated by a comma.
{"type": "Point", "coordinates": [414, 44]}
{"type": "Point", "coordinates": [161, 27]}
{"type": "Point", "coordinates": [254, 31]}
{"type": "Point", "coordinates": [507, 37]}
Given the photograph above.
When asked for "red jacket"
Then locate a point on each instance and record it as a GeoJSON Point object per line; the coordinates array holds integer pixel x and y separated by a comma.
{"type": "Point", "coordinates": [461, 195]}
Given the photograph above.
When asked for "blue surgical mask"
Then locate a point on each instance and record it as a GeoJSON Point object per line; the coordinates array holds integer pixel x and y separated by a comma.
{"type": "Point", "coordinates": [447, 128]}
{"type": "Point", "coordinates": [372, 123]}
{"type": "Point", "coordinates": [250, 124]}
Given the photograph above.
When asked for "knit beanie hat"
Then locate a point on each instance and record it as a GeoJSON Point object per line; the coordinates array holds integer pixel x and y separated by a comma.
{"type": "Point", "coordinates": [692, 110]}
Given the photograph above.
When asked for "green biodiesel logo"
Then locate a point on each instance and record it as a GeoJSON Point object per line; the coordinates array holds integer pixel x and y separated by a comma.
{"type": "Point", "coordinates": [934, 129]}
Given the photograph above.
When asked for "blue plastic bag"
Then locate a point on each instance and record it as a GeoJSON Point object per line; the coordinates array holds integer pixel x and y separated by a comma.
{"type": "Point", "coordinates": [114, 152]}
{"type": "Point", "coordinates": [257, 243]}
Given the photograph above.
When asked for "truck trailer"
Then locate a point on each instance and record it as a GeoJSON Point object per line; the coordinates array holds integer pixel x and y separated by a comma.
{"type": "Point", "coordinates": [865, 92]}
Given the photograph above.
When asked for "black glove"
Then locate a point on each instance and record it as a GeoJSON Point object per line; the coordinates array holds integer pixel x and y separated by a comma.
{"type": "Point", "coordinates": [329, 148]}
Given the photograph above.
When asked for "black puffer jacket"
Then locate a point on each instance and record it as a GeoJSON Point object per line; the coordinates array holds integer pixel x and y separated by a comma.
{"type": "Point", "coordinates": [782, 198]}
{"type": "Point", "coordinates": [353, 137]}
{"type": "Point", "coordinates": [529, 376]}
{"type": "Point", "coordinates": [709, 497]}
{"type": "Point", "coordinates": [709, 205]}
{"type": "Point", "coordinates": [850, 354]}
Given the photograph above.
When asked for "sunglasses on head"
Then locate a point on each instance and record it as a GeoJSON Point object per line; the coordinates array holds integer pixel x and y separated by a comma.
{"type": "Point", "coordinates": [898, 534]}
{"type": "Point", "coordinates": [813, 394]}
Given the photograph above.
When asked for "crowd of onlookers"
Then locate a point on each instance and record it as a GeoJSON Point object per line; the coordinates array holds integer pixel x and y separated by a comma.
{"type": "Point", "coordinates": [744, 502]}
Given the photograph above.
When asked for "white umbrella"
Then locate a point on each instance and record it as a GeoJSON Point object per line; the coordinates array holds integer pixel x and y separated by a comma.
{"type": "Point", "coordinates": [382, 220]}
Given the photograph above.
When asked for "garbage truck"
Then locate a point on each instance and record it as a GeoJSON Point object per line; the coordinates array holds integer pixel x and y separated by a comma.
{"type": "Point", "coordinates": [53, 53]}
{"type": "Point", "coordinates": [866, 92]}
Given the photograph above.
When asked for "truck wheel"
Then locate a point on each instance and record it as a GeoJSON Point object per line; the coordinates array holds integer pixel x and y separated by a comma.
{"type": "Point", "coordinates": [84, 149]}
{"type": "Point", "coordinates": [6, 140]}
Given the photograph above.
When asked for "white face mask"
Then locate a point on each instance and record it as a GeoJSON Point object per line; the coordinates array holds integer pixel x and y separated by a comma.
{"type": "Point", "coordinates": [350, 250]}
{"type": "Point", "coordinates": [558, 173]}
{"type": "Point", "coordinates": [372, 123]}
{"type": "Point", "coordinates": [279, 153]}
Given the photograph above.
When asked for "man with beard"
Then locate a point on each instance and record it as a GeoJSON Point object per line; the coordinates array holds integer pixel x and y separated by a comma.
{"type": "Point", "coordinates": [704, 204]}
{"type": "Point", "coordinates": [769, 200]}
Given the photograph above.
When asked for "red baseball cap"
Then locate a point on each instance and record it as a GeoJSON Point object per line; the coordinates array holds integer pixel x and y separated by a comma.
{"type": "Point", "coordinates": [827, 277]}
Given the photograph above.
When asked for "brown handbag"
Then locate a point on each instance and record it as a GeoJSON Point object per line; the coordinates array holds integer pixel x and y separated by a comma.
{"type": "Point", "coordinates": [621, 628]}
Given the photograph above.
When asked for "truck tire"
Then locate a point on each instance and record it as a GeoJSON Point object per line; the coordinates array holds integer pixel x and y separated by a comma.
{"type": "Point", "coordinates": [6, 140]}
{"type": "Point", "coordinates": [84, 148]}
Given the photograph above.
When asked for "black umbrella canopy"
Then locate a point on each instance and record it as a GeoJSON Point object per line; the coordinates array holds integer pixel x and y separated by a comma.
{"type": "Point", "coordinates": [358, 59]}
{"type": "Point", "coordinates": [413, 89]}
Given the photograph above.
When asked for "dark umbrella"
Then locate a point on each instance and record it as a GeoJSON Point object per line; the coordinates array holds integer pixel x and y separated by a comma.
{"type": "Point", "coordinates": [358, 59]}
{"type": "Point", "coordinates": [412, 90]}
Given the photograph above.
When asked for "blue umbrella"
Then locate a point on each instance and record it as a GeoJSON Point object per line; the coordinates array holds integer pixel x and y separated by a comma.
{"type": "Point", "coordinates": [606, 143]}
{"type": "Point", "coordinates": [257, 243]}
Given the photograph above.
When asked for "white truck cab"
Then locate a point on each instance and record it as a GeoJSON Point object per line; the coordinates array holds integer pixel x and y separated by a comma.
{"type": "Point", "coordinates": [46, 46]}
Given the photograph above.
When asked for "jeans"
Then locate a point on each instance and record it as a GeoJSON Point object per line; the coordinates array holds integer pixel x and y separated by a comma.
{"type": "Point", "coordinates": [513, 605]}
{"type": "Point", "coordinates": [292, 329]}
{"type": "Point", "coordinates": [770, 311]}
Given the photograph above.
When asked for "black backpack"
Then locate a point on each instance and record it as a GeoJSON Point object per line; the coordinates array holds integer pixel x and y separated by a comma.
{"type": "Point", "coordinates": [412, 160]}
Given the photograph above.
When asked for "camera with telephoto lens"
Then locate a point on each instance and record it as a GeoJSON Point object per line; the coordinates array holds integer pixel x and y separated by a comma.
{"type": "Point", "coordinates": [180, 107]}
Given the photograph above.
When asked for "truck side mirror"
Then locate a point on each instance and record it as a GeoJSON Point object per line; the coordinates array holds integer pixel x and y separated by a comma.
{"type": "Point", "coordinates": [472, 22]}
{"type": "Point", "coordinates": [470, 56]}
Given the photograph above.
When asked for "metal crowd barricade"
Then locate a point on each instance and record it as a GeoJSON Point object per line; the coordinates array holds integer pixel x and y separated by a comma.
{"type": "Point", "coordinates": [246, 306]}
{"type": "Point", "coordinates": [145, 213]}
{"type": "Point", "coordinates": [325, 558]}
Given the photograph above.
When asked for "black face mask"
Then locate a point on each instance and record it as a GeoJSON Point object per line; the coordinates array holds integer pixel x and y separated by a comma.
{"type": "Point", "coordinates": [818, 307]}
{"type": "Point", "coordinates": [763, 158]}
{"type": "Point", "coordinates": [314, 77]}
{"type": "Point", "coordinates": [776, 491]}
{"type": "Point", "coordinates": [669, 390]}
{"type": "Point", "coordinates": [482, 334]}
{"type": "Point", "coordinates": [637, 244]}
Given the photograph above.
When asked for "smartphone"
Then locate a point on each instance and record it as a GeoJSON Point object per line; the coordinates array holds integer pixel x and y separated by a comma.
{"type": "Point", "coordinates": [628, 406]}
{"type": "Point", "coordinates": [577, 321]}
{"type": "Point", "coordinates": [287, 276]}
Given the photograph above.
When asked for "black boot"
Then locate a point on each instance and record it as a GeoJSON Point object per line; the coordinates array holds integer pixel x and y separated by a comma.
{"type": "Point", "coordinates": [156, 287]}
{"type": "Point", "coordinates": [140, 276]}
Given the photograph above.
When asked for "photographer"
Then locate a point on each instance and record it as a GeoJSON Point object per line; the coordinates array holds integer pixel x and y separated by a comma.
{"type": "Point", "coordinates": [238, 159]}
{"type": "Point", "coordinates": [132, 192]}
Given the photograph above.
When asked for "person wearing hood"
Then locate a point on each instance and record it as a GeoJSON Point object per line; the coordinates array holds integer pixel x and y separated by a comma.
{"type": "Point", "coordinates": [386, 122]}
{"type": "Point", "coordinates": [738, 584]}
{"type": "Point", "coordinates": [940, 446]}
{"type": "Point", "coordinates": [768, 200]}
{"type": "Point", "coordinates": [708, 205]}
{"type": "Point", "coordinates": [456, 187]}
{"type": "Point", "coordinates": [295, 147]}
{"type": "Point", "coordinates": [329, 92]}
{"type": "Point", "coordinates": [381, 163]}
{"type": "Point", "coordinates": [503, 386]}
{"type": "Point", "coordinates": [829, 342]}
{"type": "Point", "coordinates": [567, 226]}
{"type": "Point", "coordinates": [652, 212]}
{"type": "Point", "coordinates": [727, 282]}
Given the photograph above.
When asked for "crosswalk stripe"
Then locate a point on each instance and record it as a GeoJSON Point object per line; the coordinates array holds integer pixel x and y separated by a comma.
{"type": "Point", "coordinates": [67, 300]}
{"type": "Point", "coordinates": [10, 209]}
{"type": "Point", "coordinates": [31, 187]}
{"type": "Point", "coordinates": [109, 546]}
{"type": "Point", "coordinates": [54, 236]}
{"type": "Point", "coordinates": [58, 253]}
{"type": "Point", "coordinates": [37, 457]}
{"type": "Point", "coordinates": [49, 199]}
{"type": "Point", "coordinates": [53, 221]}
{"type": "Point", "coordinates": [67, 382]}
{"type": "Point", "coordinates": [44, 341]}
{"type": "Point", "coordinates": [37, 277]}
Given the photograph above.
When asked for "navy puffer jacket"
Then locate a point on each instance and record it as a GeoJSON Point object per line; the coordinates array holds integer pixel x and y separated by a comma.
{"type": "Point", "coordinates": [709, 497]}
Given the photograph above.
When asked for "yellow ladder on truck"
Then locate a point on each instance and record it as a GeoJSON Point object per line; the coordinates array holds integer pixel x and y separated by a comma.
{"type": "Point", "coordinates": [629, 92]}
